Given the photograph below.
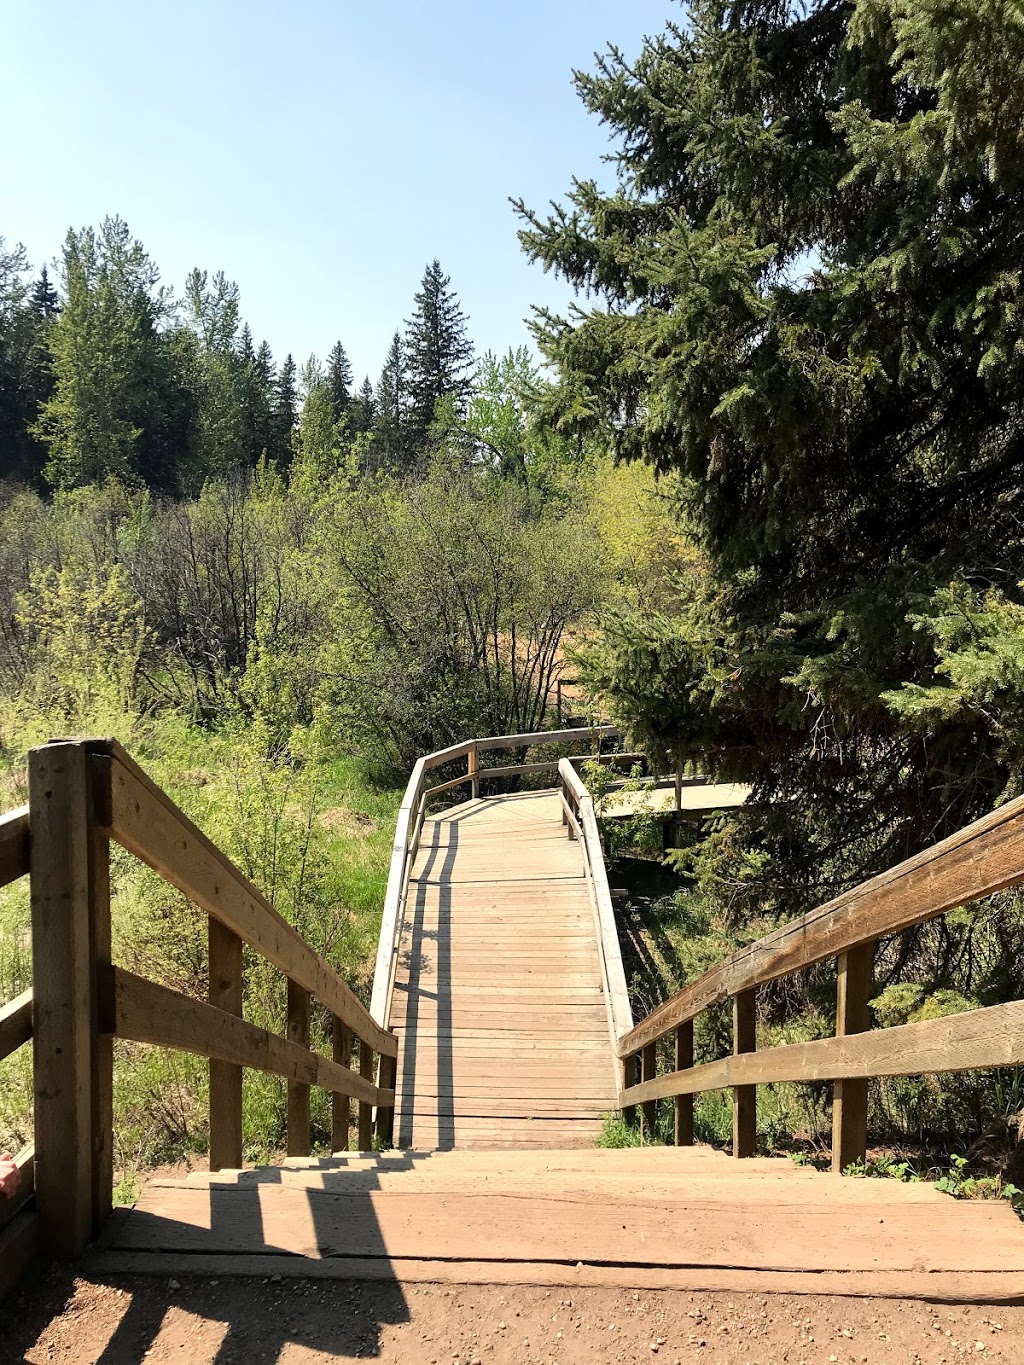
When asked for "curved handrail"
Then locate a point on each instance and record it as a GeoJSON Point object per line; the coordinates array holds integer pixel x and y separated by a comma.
{"type": "Point", "coordinates": [579, 814]}
{"type": "Point", "coordinates": [410, 823]}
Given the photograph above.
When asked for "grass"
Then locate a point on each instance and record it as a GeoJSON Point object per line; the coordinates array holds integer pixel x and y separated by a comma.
{"type": "Point", "coordinates": [314, 834]}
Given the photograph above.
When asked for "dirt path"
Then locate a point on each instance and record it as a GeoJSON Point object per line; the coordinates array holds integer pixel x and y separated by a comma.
{"type": "Point", "coordinates": [63, 1318]}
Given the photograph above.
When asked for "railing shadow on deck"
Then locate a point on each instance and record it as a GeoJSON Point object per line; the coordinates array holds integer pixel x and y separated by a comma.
{"type": "Point", "coordinates": [439, 863]}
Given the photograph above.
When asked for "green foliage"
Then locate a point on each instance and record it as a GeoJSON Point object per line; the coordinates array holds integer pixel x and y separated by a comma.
{"type": "Point", "coordinates": [806, 308]}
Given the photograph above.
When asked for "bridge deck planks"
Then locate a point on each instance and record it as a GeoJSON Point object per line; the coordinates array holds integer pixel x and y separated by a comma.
{"type": "Point", "coordinates": [498, 1006]}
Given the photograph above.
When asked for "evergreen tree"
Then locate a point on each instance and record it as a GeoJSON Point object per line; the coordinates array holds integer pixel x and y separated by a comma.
{"type": "Point", "coordinates": [285, 412]}
{"type": "Point", "coordinates": [809, 307]}
{"type": "Point", "coordinates": [120, 398]}
{"type": "Point", "coordinates": [23, 369]}
{"type": "Point", "coordinates": [339, 380]}
{"type": "Point", "coordinates": [391, 444]}
{"type": "Point", "coordinates": [362, 409]}
{"type": "Point", "coordinates": [439, 354]}
{"type": "Point", "coordinates": [45, 300]}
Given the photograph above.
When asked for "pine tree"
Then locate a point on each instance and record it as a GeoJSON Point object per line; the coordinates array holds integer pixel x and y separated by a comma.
{"type": "Point", "coordinates": [362, 409]}
{"type": "Point", "coordinates": [285, 412]}
{"type": "Point", "coordinates": [807, 302]}
{"type": "Point", "coordinates": [120, 403]}
{"type": "Point", "coordinates": [339, 380]}
{"type": "Point", "coordinates": [439, 354]}
{"type": "Point", "coordinates": [45, 300]}
{"type": "Point", "coordinates": [392, 449]}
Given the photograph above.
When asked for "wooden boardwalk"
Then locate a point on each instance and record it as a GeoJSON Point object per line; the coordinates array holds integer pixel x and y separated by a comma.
{"type": "Point", "coordinates": [501, 1020]}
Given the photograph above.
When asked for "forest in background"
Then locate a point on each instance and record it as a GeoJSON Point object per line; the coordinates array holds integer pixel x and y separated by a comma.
{"type": "Point", "coordinates": [276, 593]}
{"type": "Point", "coordinates": [766, 496]}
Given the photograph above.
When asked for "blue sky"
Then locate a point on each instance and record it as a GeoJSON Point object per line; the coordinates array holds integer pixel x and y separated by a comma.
{"type": "Point", "coordinates": [319, 153]}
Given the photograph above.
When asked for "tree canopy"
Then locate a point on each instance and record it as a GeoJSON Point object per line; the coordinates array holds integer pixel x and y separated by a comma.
{"type": "Point", "coordinates": [806, 301]}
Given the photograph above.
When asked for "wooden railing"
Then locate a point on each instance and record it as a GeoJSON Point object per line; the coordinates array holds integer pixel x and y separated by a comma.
{"type": "Point", "coordinates": [19, 1227]}
{"type": "Point", "coordinates": [82, 794]}
{"type": "Point", "coordinates": [411, 815]}
{"type": "Point", "coordinates": [986, 857]}
{"type": "Point", "coordinates": [579, 816]}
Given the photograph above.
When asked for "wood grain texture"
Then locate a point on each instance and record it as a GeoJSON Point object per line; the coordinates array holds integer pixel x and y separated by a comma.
{"type": "Point", "coordinates": [148, 1013]}
{"type": "Point", "coordinates": [744, 1100]}
{"type": "Point", "coordinates": [855, 978]}
{"type": "Point", "coordinates": [985, 857]}
{"type": "Point", "coordinates": [63, 1019]}
{"type": "Point", "coordinates": [498, 997]}
{"type": "Point", "coordinates": [146, 822]}
{"type": "Point", "coordinates": [297, 1131]}
{"type": "Point", "coordinates": [13, 845]}
{"type": "Point", "coordinates": [980, 1038]}
{"type": "Point", "coordinates": [15, 1023]}
{"type": "Point", "coordinates": [225, 994]}
{"type": "Point", "coordinates": [341, 1106]}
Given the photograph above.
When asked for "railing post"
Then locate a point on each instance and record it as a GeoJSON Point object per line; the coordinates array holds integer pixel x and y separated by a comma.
{"type": "Point", "coordinates": [298, 1091]}
{"type": "Point", "coordinates": [854, 988]}
{"type": "Point", "coordinates": [386, 1116]}
{"type": "Point", "coordinates": [648, 1071]}
{"type": "Point", "coordinates": [70, 930]}
{"type": "Point", "coordinates": [630, 1070]}
{"type": "Point", "coordinates": [341, 1105]}
{"type": "Point", "coordinates": [365, 1110]}
{"type": "Point", "coordinates": [225, 1077]}
{"type": "Point", "coordinates": [472, 761]}
{"type": "Point", "coordinates": [683, 1134]}
{"type": "Point", "coordinates": [99, 952]}
{"type": "Point", "coordinates": [744, 1105]}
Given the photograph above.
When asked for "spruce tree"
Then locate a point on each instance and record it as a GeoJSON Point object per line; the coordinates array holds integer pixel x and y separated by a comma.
{"type": "Point", "coordinates": [45, 300]}
{"type": "Point", "coordinates": [439, 354]}
{"type": "Point", "coordinates": [285, 412]}
{"type": "Point", "coordinates": [361, 412]}
{"type": "Point", "coordinates": [392, 448]}
{"type": "Point", "coordinates": [339, 380]}
{"type": "Point", "coordinates": [807, 305]}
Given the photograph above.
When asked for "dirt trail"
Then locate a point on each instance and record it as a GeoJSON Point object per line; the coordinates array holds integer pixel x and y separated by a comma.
{"type": "Point", "coordinates": [64, 1318]}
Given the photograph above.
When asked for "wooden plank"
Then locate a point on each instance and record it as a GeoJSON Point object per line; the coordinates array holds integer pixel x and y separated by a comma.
{"type": "Point", "coordinates": [147, 823]}
{"type": "Point", "coordinates": [20, 1243]}
{"type": "Point", "coordinates": [15, 1023]}
{"type": "Point", "coordinates": [953, 1287]}
{"type": "Point", "coordinates": [977, 1039]}
{"type": "Point", "coordinates": [14, 857]}
{"type": "Point", "coordinates": [341, 1109]}
{"type": "Point", "coordinates": [385, 1121]}
{"type": "Point", "coordinates": [744, 1103]}
{"type": "Point", "coordinates": [985, 857]}
{"type": "Point", "coordinates": [855, 978]}
{"type": "Point", "coordinates": [147, 1013]}
{"type": "Point", "coordinates": [365, 1109]}
{"type": "Point", "coordinates": [101, 1044]}
{"type": "Point", "coordinates": [62, 1024]}
{"type": "Point", "coordinates": [225, 993]}
{"type": "Point", "coordinates": [683, 1127]}
{"type": "Point", "coordinates": [298, 1091]}
{"type": "Point", "coordinates": [528, 741]}
{"type": "Point", "coordinates": [484, 1226]}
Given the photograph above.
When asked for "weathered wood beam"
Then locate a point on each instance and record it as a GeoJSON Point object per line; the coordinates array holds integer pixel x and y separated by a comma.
{"type": "Point", "coordinates": [147, 1013]}
{"type": "Point", "coordinates": [960, 1042]}
{"type": "Point", "coordinates": [984, 858]}
{"type": "Point", "coordinates": [147, 823]}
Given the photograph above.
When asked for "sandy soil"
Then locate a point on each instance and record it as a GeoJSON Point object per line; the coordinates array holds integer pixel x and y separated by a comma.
{"type": "Point", "coordinates": [66, 1318]}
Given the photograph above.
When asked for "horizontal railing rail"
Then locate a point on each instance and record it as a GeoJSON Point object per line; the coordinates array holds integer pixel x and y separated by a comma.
{"type": "Point", "coordinates": [409, 826]}
{"type": "Point", "coordinates": [985, 857]}
{"type": "Point", "coordinates": [19, 1225]}
{"type": "Point", "coordinates": [83, 795]}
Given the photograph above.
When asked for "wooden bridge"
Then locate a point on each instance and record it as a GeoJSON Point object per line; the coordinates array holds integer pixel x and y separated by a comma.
{"type": "Point", "coordinates": [498, 1034]}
